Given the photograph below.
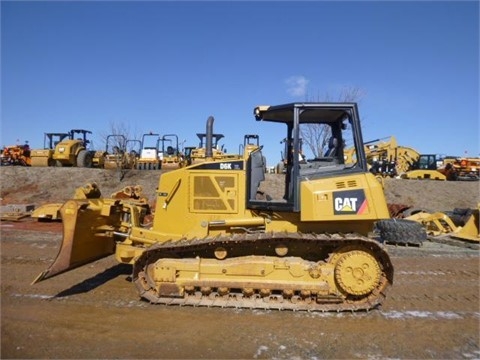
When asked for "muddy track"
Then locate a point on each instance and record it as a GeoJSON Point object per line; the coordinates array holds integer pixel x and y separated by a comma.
{"type": "Point", "coordinates": [249, 294]}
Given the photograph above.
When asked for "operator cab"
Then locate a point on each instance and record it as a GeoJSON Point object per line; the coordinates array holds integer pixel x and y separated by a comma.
{"type": "Point", "coordinates": [334, 126]}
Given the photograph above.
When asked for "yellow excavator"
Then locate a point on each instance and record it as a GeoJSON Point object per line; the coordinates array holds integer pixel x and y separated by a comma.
{"type": "Point", "coordinates": [212, 242]}
{"type": "Point", "coordinates": [385, 157]}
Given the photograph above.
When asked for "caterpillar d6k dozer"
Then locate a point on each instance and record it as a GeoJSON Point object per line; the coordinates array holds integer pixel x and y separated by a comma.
{"type": "Point", "coordinates": [214, 243]}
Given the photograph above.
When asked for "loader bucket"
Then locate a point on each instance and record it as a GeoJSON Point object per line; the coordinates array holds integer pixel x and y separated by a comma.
{"type": "Point", "coordinates": [87, 235]}
{"type": "Point", "coordinates": [471, 230]}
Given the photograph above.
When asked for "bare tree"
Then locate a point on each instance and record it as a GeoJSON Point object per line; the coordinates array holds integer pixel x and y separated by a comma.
{"type": "Point", "coordinates": [120, 142]}
{"type": "Point", "coordinates": [119, 133]}
{"type": "Point", "coordinates": [316, 136]}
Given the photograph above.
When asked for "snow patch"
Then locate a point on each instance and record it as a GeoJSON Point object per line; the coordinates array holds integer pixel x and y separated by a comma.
{"type": "Point", "coordinates": [449, 315]}
{"type": "Point", "coordinates": [34, 296]}
{"type": "Point", "coordinates": [260, 350]}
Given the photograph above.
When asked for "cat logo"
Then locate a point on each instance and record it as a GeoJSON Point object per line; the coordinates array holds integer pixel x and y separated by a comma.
{"type": "Point", "coordinates": [349, 202]}
{"type": "Point", "coordinates": [346, 204]}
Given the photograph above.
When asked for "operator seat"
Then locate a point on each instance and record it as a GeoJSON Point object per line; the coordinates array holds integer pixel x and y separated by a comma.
{"type": "Point", "coordinates": [332, 147]}
{"type": "Point", "coordinates": [257, 172]}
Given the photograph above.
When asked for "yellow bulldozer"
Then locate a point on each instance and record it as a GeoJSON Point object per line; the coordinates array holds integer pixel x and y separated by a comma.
{"type": "Point", "coordinates": [212, 242]}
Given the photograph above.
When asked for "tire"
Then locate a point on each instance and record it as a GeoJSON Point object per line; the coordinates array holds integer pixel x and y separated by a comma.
{"type": "Point", "coordinates": [58, 163]}
{"type": "Point", "coordinates": [401, 232]}
{"type": "Point", "coordinates": [84, 159]}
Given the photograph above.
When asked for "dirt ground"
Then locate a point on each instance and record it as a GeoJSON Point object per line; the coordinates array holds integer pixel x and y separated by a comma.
{"type": "Point", "coordinates": [431, 312]}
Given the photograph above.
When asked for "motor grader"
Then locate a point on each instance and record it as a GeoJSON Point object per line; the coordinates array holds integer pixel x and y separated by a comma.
{"type": "Point", "coordinates": [213, 242]}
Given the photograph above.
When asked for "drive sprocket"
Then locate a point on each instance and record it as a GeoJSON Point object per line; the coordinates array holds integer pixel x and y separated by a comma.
{"type": "Point", "coordinates": [357, 272]}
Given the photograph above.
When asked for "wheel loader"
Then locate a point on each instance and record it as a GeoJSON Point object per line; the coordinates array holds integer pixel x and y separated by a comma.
{"type": "Point", "coordinates": [213, 242]}
{"type": "Point", "coordinates": [430, 167]}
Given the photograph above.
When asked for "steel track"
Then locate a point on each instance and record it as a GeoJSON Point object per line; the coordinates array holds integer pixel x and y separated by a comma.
{"type": "Point", "coordinates": [328, 243]}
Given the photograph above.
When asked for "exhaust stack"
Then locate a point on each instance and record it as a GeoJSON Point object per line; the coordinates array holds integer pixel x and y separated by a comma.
{"type": "Point", "coordinates": [209, 138]}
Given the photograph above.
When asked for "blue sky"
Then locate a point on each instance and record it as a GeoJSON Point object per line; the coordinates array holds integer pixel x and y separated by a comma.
{"type": "Point", "coordinates": [166, 66]}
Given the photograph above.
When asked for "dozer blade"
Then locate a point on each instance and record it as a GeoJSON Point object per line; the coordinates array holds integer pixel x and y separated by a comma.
{"type": "Point", "coordinates": [87, 236]}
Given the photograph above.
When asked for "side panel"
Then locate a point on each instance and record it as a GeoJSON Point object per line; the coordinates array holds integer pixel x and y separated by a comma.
{"type": "Point", "coordinates": [214, 193]}
{"type": "Point", "coordinates": [354, 197]}
{"type": "Point", "coordinates": [189, 198]}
